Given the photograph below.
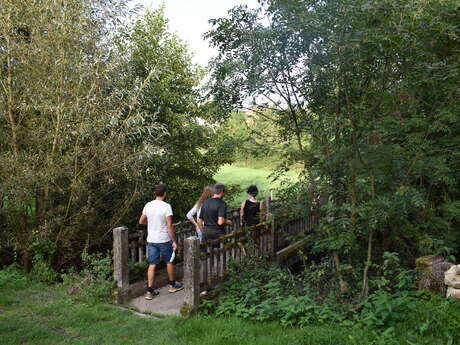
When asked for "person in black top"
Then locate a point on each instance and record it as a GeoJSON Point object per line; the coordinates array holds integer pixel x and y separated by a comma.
{"type": "Point", "coordinates": [212, 218]}
{"type": "Point", "coordinates": [251, 209]}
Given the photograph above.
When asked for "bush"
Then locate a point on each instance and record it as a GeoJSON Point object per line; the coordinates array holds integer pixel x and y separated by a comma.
{"type": "Point", "coordinates": [42, 270]}
{"type": "Point", "coordinates": [95, 281]}
{"type": "Point", "coordinates": [414, 316]}
{"type": "Point", "coordinates": [13, 278]}
{"type": "Point", "coordinates": [137, 271]}
{"type": "Point", "coordinates": [263, 292]}
{"type": "Point", "coordinates": [392, 276]}
{"type": "Point", "coordinates": [383, 309]}
{"type": "Point", "coordinates": [98, 268]}
{"type": "Point", "coordinates": [394, 314]}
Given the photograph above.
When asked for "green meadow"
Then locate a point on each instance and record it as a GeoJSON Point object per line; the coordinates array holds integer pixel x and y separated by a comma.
{"type": "Point", "coordinates": [243, 177]}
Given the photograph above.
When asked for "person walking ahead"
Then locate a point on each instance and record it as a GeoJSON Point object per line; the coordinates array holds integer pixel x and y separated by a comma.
{"type": "Point", "coordinates": [161, 239]}
{"type": "Point", "coordinates": [213, 214]}
{"type": "Point", "coordinates": [251, 209]}
{"type": "Point", "coordinates": [195, 211]}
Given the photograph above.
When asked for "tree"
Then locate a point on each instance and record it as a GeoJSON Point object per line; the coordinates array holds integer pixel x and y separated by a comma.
{"type": "Point", "coordinates": [373, 88]}
{"type": "Point", "coordinates": [184, 151]}
{"type": "Point", "coordinates": [88, 125]}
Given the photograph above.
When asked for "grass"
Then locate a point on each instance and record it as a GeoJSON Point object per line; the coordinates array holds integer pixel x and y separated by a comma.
{"type": "Point", "coordinates": [244, 177]}
{"type": "Point", "coordinates": [41, 314]}
{"type": "Point", "coordinates": [37, 314]}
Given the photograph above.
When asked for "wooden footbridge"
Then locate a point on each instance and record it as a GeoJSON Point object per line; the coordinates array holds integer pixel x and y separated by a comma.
{"type": "Point", "coordinates": [201, 266]}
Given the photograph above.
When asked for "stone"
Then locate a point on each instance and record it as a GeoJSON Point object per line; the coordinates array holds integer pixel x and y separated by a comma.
{"type": "Point", "coordinates": [425, 263]}
{"type": "Point", "coordinates": [452, 277]}
{"type": "Point", "coordinates": [452, 292]}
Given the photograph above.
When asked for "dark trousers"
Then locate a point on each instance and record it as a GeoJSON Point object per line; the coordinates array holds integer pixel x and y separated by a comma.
{"type": "Point", "coordinates": [212, 234]}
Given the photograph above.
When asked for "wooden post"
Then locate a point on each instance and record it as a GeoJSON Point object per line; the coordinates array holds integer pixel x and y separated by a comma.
{"type": "Point", "coordinates": [269, 216]}
{"type": "Point", "coordinates": [120, 262]}
{"type": "Point", "coordinates": [192, 271]}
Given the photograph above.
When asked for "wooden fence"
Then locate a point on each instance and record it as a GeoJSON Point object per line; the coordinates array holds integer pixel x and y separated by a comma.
{"type": "Point", "coordinates": [204, 264]}
{"type": "Point", "coordinates": [137, 242]}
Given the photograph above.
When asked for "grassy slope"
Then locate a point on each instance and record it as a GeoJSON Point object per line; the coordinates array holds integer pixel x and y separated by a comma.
{"type": "Point", "coordinates": [244, 177]}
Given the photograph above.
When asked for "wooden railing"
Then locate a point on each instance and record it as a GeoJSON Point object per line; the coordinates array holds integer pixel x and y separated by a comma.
{"type": "Point", "coordinates": [137, 242]}
{"type": "Point", "coordinates": [211, 258]}
{"type": "Point", "coordinates": [216, 255]}
{"type": "Point", "coordinates": [206, 264]}
{"type": "Point", "coordinates": [131, 247]}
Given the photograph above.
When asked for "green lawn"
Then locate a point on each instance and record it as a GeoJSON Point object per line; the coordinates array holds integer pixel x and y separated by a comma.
{"type": "Point", "coordinates": [39, 314]}
{"type": "Point", "coordinates": [244, 177]}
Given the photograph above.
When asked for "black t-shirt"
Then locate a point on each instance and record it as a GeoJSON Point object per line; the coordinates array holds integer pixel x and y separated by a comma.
{"type": "Point", "coordinates": [211, 210]}
{"type": "Point", "coordinates": [251, 213]}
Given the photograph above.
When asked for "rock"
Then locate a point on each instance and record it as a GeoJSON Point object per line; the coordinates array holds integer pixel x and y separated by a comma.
{"type": "Point", "coordinates": [452, 277]}
{"type": "Point", "coordinates": [452, 292]}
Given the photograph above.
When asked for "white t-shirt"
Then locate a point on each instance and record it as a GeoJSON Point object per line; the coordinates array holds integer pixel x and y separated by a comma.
{"type": "Point", "coordinates": [156, 212]}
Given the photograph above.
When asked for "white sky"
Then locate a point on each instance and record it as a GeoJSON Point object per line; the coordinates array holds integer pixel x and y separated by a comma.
{"type": "Point", "coordinates": [189, 19]}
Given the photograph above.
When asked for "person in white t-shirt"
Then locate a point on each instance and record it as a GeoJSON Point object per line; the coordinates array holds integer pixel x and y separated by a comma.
{"type": "Point", "coordinates": [161, 239]}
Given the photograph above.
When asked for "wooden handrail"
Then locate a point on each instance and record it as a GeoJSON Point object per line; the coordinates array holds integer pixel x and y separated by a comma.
{"type": "Point", "coordinates": [268, 238]}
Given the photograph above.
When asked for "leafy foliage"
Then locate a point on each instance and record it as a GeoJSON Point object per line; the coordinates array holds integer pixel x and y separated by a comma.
{"type": "Point", "coordinates": [95, 109]}
{"type": "Point", "coordinates": [260, 291]}
{"type": "Point", "coordinates": [367, 91]}
{"type": "Point", "coordinates": [263, 292]}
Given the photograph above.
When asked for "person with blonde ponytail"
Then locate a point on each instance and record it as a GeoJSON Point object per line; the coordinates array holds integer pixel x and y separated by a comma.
{"type": "Point", "coordinates": [193, 214]}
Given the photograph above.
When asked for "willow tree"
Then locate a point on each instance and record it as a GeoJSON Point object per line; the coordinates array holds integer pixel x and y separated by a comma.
{"type": "Point", "coordinates": [60, 158]}
{"type": "Point", "coordinates": [93, 113]}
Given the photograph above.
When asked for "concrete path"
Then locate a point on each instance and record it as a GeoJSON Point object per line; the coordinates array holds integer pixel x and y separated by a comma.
{"type": "Point", "coordinates": [166, 304]}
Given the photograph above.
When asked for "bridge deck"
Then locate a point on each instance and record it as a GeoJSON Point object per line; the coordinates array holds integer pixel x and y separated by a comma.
{"type": "Point", "coordinates": [165, 304]}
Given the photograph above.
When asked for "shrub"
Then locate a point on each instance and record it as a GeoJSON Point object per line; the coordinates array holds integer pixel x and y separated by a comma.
{"type": "Point", "coordinates": [42, 270]}
{"type": "Point", "coordinates": [263, 292]}
{"type": "Point", "coordinates": [13, 277]}
{"type": "Point", "coordinates": [383, 309]}
{"type": "Point", "coordinates": [137, 271]}
{"type": "Point", "coordinates": [99, 268]}
{"type": "Point", "coordinates": [95, 281]}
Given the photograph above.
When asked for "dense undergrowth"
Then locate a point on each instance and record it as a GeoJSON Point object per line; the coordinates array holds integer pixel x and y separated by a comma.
{"type": "Point", "coordinates": [395, 313]}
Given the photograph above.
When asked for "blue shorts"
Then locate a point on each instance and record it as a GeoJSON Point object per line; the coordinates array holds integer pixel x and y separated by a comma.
{"type": "Point", "coordinates": [154, 250]}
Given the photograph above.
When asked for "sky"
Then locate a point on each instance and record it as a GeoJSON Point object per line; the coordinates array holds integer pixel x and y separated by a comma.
{"type": "Point", "coordinates": [189, 19]}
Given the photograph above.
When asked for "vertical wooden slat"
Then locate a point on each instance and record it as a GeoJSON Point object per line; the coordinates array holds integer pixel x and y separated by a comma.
{"type": "Point", "coordinates": [204, 265]}
{"type": "Point", "coordinates": [209, 263]}
{"type": "Point", "coordinates": [233, 251]}
{"type": "Point", "coordinates": [224, 259]}
{"type": "Point", "coordinates": [265, 243]}
{"type": "Point", "coordinates": [132, 248]}
{"type": "Point", "coordinates": [216, 262]}
{"type": "Point", "coordinates": [140, 252]}
{"type": "Point", "coordinates": [140, 245]}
